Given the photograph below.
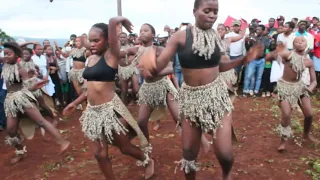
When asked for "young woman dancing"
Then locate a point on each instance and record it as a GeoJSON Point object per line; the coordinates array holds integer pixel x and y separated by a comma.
{"type": "Point", "coordinates": [79, 59]}
{"type": "Point", "coordinates": [157, 92]}
{"type": "Point", "coordinates": [100, 121]}
{"type": "Point", "coordinates": [204, 103]}
{"type": "Point", "coordinates": [34, 76]}
{"type": "Point", "coordinates": [127, 71]}
{"type": "Point", "coordinates": [20, 101]}
{"type": "Point", "coordinates": [230, 77]}
{"type": "Point", "coordinates": [292, 90]}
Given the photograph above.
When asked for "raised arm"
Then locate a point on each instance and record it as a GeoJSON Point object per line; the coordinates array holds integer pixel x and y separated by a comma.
{"type": "Point", "coordinates": [113, 34]}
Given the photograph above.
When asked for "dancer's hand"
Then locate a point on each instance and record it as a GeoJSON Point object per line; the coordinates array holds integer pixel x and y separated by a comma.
{"type": "Point", "coordinates": [309, 90]}
{"type": "Point", "coordinates": [39, 85]}
{"type": "Point", "coordinates": [69, 109]}
{"type": "Point", "coordinates": [148, 61]}
{"type": "Point", "coordinates": [146, 74]}
{"type": "Point", "coordinates": [253, 53]}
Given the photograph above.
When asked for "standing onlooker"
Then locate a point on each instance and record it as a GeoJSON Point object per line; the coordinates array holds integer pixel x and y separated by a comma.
{"type": "Point", "coordinates": [272, 29]}
{"type": "Point", "coordinates": [302, 31]}
{"type": "Point", "coordinates": [287, 35]}
{"type": "Point", "coordinates": [279, 31]}
{"type": "Point", "coordinates": [61, 60]}
{"type": "Point", "coordinates": [316, 57]}
{"type": "Point", "coordinates": [280, 20]}
{"type": "Point", "coordinates": [266, 84]}
{"type": "Point", "coordinates": [41, 61]}
{"type": "Point", "coordinates": [3, 93]}
{"type": "Point", "coordinates": [237, 49]}
{"type": "Point", "coordinates": [255, 68]}
{"type": "Point", "coordinates": [53, 72]}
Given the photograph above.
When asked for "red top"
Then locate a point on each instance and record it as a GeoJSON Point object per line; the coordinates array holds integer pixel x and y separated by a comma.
{"type": "Point", "coordinates": [316, 45]}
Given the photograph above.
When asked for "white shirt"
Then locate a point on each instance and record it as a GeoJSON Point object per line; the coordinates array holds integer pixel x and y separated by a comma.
{"type": "Point", "coordinates": [69, 63]}
{"type": "Point", "coordinates": [236, 48]}
{"type": "Point", "coordinates": [41, 62]}
{"type": "Point", "coordinates": [286, 40]}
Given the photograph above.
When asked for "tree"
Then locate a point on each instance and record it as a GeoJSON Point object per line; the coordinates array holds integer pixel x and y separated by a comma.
{"type": "Point", "coordinates": [4, 37]}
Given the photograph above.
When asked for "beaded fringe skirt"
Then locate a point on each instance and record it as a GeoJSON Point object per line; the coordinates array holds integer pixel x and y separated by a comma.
{"type": "Point", "coordinates": [100, 121]}
{"type": "Point", "coordinates": [205, 105]}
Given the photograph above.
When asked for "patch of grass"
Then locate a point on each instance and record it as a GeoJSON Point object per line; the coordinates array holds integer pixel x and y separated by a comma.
{"type": "Point", "coordinates": [50, 166]}
{"type": "Point", "coordinates": [314, 167]}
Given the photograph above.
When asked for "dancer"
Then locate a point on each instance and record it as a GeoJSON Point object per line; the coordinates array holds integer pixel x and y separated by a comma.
{"type": "Point", "coordinates": [204, 103]}
{"type": "Point", "coordinates": [230, 77]}
{"type": "Point", "coordinates": [20, 101]}
{"type": "Point", "coordinates": [79, 59]}
{"type": "Point", "coordinates": [127, 71]}
{"type": "Point", "coordinates": [34, 74]}
{"type": "Point", "coordinates": [100, 121]}
{"type": "Point", "coordinates": [158, 92]}
{"type": "Point", "coordinates": [292, 90]}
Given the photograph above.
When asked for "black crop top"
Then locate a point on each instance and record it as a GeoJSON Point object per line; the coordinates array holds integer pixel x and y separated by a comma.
{"type": "Point", "coordinates": [80, 59]}
{"type": "Point", "coordinates": [101, 71]}
{"type": "Point", "coordinates": [190, 60]}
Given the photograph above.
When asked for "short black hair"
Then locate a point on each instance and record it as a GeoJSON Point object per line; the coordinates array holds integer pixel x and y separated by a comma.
{"type": "Point", "coordinates": [290, 24]}
{"type": "Point", "coordinates": [28, 49]}
{"type": "Point", "coordinates": [262, 27]}
{"type": "Point", "coordinates": [151, 27]}
{"type": "Point", "coordinates": [14, 47]}
{"type": "Point", "coordinates": [123, 33]}
{"type": "Point", "coordinates": [197, 3]}
{"type": "Point", "coordinates": [35, 46]}
{"type": "Point", "coordinates": [46, 47]}
{"type": "Point", "coordinates": [273, 19]}
{"type": "Point", "coordinates": [73, 35]}
{"type": "Point", "coordinates": [296, 19]}
{"type": "Point", "coordinates": [103, 27]}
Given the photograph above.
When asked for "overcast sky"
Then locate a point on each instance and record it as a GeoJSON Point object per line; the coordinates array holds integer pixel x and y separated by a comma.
{"type": "Point", "coordinates": [40, 18]}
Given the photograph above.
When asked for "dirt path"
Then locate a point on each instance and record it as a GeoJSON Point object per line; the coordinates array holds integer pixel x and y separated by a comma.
{"type": "Point", "coordinates": [255, 120]}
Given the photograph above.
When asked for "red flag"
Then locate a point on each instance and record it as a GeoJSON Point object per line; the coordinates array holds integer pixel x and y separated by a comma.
{"type": "Point", "coordinates": [244, 24]}
{"type": "Point", "coordinates": [228, 21]}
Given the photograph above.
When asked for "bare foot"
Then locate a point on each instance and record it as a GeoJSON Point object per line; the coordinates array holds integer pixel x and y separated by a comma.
{"type": "Point", "coordinates": [149, 171]}
{"type": "Point", "coordinates": [156, 127]}
{"type": "Point", "coordinates": [282, 147]}
{"type": "Point", "coordinates": [63, 147]}
{"type": "Point", "coordinates": [17, 159]}
{"type": "Point", "coordinates": [311, 139]}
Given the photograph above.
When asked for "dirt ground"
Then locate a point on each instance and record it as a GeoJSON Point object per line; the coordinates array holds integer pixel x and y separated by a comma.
{"type": "Point", "coordinates": [255, 120]}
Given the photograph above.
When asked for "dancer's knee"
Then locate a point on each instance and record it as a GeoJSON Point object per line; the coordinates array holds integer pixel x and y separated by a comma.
{"type": "Point", "coordinates": [125, 149]}
{"type": "Point", "coordinates": [100, 154]}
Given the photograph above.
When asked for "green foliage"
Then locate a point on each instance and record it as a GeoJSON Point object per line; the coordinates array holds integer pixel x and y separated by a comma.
{"type": "Point", "coordinates": [4, 37]}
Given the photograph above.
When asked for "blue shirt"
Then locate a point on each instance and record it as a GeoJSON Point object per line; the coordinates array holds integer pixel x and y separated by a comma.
{"type": "Point", "coordinates": [176, 64]}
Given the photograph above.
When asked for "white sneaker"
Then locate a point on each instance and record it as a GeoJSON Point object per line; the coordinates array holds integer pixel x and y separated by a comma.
{"type": "Point", "coordinates": [263, 94]}
{"type": "Point", "coordinates": [251, 92]}
{"type": "Point", "coordinates": [268, 94]}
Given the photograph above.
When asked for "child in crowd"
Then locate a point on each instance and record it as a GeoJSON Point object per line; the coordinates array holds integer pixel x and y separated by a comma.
{"type": "Point", "coordinates": [266, 84]}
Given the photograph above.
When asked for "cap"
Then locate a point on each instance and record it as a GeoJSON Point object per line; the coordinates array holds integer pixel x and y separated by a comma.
{"type": "Point", "coordinates": [236, 22]}
{"type": "Point", "coordinates": [280, 17]}
{"type": "Point", "coordinates": [315, 18]}
{"type": "Point", "coordinates": [255, 20]}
